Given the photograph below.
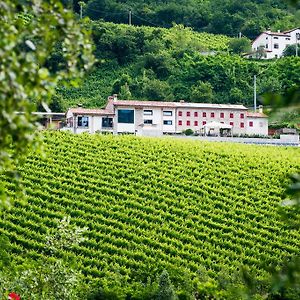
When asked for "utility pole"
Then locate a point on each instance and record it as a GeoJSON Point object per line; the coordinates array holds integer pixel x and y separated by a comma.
{"type": "Point", "coordinates": [129, 17]}
{"type": "Point", "coordinates": [254, 93]}
{"type": "Point", "coordinates": [82, 5]}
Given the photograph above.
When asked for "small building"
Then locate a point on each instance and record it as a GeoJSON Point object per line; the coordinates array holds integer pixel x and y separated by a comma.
{"type": "Point", "coordinates": [80, 120]}
{"type": "Point", "coordinates": [50, 119]}
{"type": "Point", "coordinates": [257, 123]}
{"type": "Point", "coordinates": [270, 44]}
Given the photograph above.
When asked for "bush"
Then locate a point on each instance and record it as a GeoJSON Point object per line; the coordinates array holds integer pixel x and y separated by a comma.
{"type": "Point", "coordinates": [188, 131]}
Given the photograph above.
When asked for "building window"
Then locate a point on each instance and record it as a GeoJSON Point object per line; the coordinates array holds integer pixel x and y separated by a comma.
{"type": "Point", "coordinates": [107, 122]}
{"type": "Point", "coordinates": [266, 46]}
{"type": "Point", "coordinates": [242, 125]}
{"type": "Point", "coordinates": [168, 113]}
{"type": "Point", "coordinates": [288, 39]}
{"type": "Point", "coordinates": [231, 116]}
{"type": "Point", "coordinates": [188, 123]}
{"type": "Point", "coordinates": [148, 112]}
{"type": "Point", "coordinates": [196, 123]}
{"type": "Point", "coordinates": [203, 123]}
{"type": "Point", "coordinates": [222, 115]}
{"type": "Point", "coordinates": [250, 124]}
{"type": "Point", "coordinates": [150, 122]}
{"type": "Point", "coordinates": [242, 116]}
{"type": "Point", "coordinates": [188, 113]}
{"type": "Point", "coordinates": [261, 124]}
{"type": "Point", "coordinates": [275, 38]}
{"type": "Point", "coordinates": [204, 114]}
{"type": "Point", "coordinates": [168, 122]}
{"type": "Point", "coordinates": [179, 122]}
{"type": "Point", "coordinates": [180, 113]}
{"type": "Point", "coordinates": [212, 115]}
{"type": "Point", "coordinates": [83, 121]}
{"type": "Point", "coordinates": [195, 114]}
{"type": "Point", "coordinates": [126, 116]}
{"type": "Point", "coordinates": [231, 123]}
{"type": "Point", "coordinates": [276, 46]}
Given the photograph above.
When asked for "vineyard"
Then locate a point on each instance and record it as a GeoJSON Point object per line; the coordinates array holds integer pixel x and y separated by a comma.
{"type": "Point", "coordinates": [154, 204]}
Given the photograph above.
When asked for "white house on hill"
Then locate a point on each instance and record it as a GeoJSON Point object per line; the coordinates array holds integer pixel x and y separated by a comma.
{"type": "Point", "coordinates": [272, 44]}
{"type": "Point", "coordinates": [154, 118]}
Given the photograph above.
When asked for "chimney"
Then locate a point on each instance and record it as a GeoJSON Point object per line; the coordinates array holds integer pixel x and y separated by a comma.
{"type": "Point", "coordinates": [79, 105]}
{"type": "Point", "coordinates": [181, 101]}
{"type": "Point", "coordinates": [260, 109]}
{"type": "Point", "coordinates": [115, 96]}
{"type": "Point", "coordinates": [278, 30]}
{"type": "Point", "coordinates": [110, 98]}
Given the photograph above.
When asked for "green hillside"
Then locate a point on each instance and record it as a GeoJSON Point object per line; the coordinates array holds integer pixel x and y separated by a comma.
{"type": "Point", "coordinates": [216, 16]}
{"type": "Point", "coordinates": [152, 204]}
{"type": "Point", "coordinates": [148, 63]}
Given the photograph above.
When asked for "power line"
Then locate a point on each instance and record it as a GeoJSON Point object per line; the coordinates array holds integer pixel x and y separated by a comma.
{"type": "Point", "coordinates": [108, 13]}
{"type": "Point", "coordinates": [156, 25]}
{"type": "Point", "coordinates": [130, 13]}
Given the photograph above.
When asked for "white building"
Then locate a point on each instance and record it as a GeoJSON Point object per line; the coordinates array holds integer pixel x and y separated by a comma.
{"type": "Point", "coordinates": [154, 118]}
{"type": "Point", "coordinates": [89, 120]}
{"type": "Point", "coordinates": [257, 123]}
{"type": "Point", "coordinates": [272, 44]}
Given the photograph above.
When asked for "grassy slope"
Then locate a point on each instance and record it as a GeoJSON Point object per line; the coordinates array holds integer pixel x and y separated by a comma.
{"type": "Point", "coordinates": [151, 204]}
{"type": "Point", "coordinates": [94, 89]}
{"type": "Point", "coordinates": [98, 85]}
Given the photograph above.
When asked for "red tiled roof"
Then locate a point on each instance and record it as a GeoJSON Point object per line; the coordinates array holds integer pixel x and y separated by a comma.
{"type": "Point", "coordinates": [272, 33]}
{"type": "Point", "coordinates": [89, 111]}
{"type": "Point", "coordinates": [256, 115]}
{"type": "Point", "coordinates": [278, 33]}
{"type": "Point", "coordinates": [144, 103]}
{"type": "Point", "coordinates": [109, 109]}
{"type": "Point", "coordinates": [287, 31]}
{"type": "Point", "coordinates": [136, 103]}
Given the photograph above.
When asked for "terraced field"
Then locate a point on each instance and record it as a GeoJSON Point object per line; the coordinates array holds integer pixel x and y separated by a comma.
{"type": "Point", "coordinates": [153, 204]}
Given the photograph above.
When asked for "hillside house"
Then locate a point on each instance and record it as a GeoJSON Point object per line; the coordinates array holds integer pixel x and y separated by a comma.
{"type": "Point", "coordinates": [270, 44]}
{"type": "Point", "coordinates": [154, 118]}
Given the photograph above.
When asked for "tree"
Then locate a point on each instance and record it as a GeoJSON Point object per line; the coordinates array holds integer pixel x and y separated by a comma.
{"type": "Point", "coordinates": [44, 279]}
{"type": "Point", "coordinates": [236, 95]}
{"type": "Point", "coordinates": [26, 41]}
{"type": "Point", "coordinates": [260, 52]}
{"type": "Point", "coordinates": [291, 50]}
{"type": "Point", "coordinates": [165, 289]}
{"type": "Point", "coordinates": [124, 79]}
{"type": "Point", "coordinates": [239, 46]}
{"type": "Point", "coordinates": [125, 93]}
{"type": "Point", "coordinates": [153, 89]}
{"type": "Point", "coordinates": [202, 92]}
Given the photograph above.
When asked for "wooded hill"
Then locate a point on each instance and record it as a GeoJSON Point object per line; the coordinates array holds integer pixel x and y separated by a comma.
{"type": "Point", "coordinates": [216, 16]}
{"type": "Point", "coordinates": [139, 62]}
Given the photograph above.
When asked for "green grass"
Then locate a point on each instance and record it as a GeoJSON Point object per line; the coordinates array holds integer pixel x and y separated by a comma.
{"type": "Point", "coordinates": [153, 204]}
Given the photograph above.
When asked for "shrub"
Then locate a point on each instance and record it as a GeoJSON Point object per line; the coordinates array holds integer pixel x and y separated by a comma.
{"type": "Point", "coordinates": [188, 132]}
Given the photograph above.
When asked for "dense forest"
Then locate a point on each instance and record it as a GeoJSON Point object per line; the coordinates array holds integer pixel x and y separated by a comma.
{"type": "Point", "coordinates": [139, 62]}
{"type": "Point", "coordinates": [216, 16]}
